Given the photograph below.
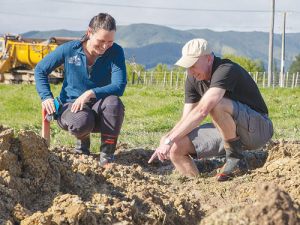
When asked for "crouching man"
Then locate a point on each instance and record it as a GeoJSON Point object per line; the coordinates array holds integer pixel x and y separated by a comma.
{"type": "Point", "coordinates": [225, 91]}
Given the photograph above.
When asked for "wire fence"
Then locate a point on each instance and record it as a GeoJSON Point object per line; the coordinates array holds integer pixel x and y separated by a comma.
{"type": "Point", "coordinates": [177, 79]}
{"type": "Point", "coordinates": [284, 80]}
{"type": "Point", "coordinates": [158, 78]}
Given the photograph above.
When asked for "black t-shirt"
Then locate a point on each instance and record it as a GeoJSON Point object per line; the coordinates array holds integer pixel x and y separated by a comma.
{"type": "Point", "coordinates": [227, 75]}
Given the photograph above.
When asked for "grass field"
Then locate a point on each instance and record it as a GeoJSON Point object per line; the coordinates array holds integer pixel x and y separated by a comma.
{"type": "Point", "coordinates": [150, 112]}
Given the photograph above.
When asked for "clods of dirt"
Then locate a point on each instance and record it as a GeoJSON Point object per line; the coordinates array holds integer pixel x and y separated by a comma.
{"type": "Point", "coordinates": [41, 185]}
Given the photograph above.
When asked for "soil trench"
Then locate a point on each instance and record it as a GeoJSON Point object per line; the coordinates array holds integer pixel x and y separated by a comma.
{"type": "Point", "coordinates": [52, 186]}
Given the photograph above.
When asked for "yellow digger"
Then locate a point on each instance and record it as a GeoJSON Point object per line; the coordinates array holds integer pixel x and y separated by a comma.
{"type": "Point", "coordinates": [19, 56]}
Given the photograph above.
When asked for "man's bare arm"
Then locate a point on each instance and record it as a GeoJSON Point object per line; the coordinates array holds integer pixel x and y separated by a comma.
{"type": "Point", "coordinates": [193, 115]}
{"type": "Point", "coordinates": [188, 107]}
{"type": "Point", "coordinates": [198, 113]}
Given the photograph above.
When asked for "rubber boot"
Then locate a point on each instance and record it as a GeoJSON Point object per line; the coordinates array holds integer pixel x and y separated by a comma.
{"type": "Point", "coordinates": [236, 163]}
{"type": "Point", "coordinates": [83, 146]}
{"type": "Point", "coordinates": [107, 150]}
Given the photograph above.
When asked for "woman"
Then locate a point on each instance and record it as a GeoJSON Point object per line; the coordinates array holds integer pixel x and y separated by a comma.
{"type": "Point", "coordinates": [95, 75]}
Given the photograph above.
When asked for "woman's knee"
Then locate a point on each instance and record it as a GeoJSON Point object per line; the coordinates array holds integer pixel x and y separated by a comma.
{"type": "Point", "coordinates": [113, 100]}
{"type": "Point", "coordinates": [113, 106]}
{"type": "Point", "coordinates": [81, 123]}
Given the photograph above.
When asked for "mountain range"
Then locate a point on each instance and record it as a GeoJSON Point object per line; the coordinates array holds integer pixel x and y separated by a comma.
{"type": "Point", "coordinates": [152, 44]}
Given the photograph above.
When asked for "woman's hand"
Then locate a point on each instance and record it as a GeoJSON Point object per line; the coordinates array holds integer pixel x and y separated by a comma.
{"type": "Point", "coordinates": [49, 106]}
{"type": "Point", "coordinates": [84, 98]}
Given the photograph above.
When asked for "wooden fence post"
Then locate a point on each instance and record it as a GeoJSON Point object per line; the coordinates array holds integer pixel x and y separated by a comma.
{"type": "Point", "coordinates": [287, 79]}
{"type": "Point", "coordinates": [171, 81]}
{"type": "Point", "coordinates": [256, 75]}
{"type": "Point", "coordinates": [280, 79]}
{"type": "Point", "coordinates": [296, 83]}
{"type": "Point", "coordinates": [151, 79]}
{"type": "Point", "coordinates": [177, 79]}
{"type": "Point", "coordinates": [139, 77]}
{"type": "Point", "coordinates": [133, 75]}
{"type": "Point", "coordinates": [293, 81]}
{"type": "Point", "coordinates": [273, 80]}
{"type": "Point", "coordinates": [165, 74]}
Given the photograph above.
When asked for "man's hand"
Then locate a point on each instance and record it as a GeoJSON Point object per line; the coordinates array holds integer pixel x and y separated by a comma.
{"type": "Point", "coordinates": [84, 98]}
{"type": "Point", "coordinates": [162, 152]}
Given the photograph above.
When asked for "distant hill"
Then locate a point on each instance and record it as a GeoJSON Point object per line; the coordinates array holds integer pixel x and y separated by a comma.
{"type": "Point", "coordinates": [53, 33]}
{"type": "Point", "coordinates": [153, 44]}
{"type": "Point", "coordinates": [139, 35]}
{"type": "Point", "coordinates": [150, 55]}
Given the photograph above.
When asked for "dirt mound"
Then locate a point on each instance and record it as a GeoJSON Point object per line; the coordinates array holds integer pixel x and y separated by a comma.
{"type": "Point", "coordinates": [53, 186]}
{"type": "Point", "coordinates": [274, 206]}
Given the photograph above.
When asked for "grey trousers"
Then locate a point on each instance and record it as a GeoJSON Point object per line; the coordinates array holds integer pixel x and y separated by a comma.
{"type": "Point", "coordinates": [104, 116]}
{"type": "Point", "coordinates": [255, 130]}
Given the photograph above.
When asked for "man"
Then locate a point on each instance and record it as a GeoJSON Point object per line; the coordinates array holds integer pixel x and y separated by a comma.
{"type": "Point", "coordinates": [225, 91]}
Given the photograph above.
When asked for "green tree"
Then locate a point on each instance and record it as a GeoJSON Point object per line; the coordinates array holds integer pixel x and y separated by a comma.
{"type": "Point", "coordinates": [179, 69]}
{"type": "Point", "coordinates": [160, 68]}
{"type": "Point", "coordinates": [295, 67]}
{"type": "Point", "coordinates": [249, 65]}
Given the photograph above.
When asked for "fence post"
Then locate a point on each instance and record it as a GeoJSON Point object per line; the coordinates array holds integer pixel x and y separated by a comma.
{"type": "Point", "coordinates": [165, 74]}
{"type": "Point", "coordinates": [280, 79]}
{"type": "Point", "coordinates": [287, 78]}
{"type": "Point", "coordinates": [139, 77]}
{"type": "Point", "coordinates": [151, 79]}
{"type": "Point", "coordinates": [296, 79]}
{"type": "Point", "coordinates": [256, 75]}
{"type": "Point", "coordinates": [293, 81]}
{"type": "Point", "coordinates": [133, 75]}
{"type": "Point", "coordinates": [171, 81]}
{"type": "Point", "coordinates": [264, 79]}
{"type": "Point", "coordinates": [177, 79]}
{"type": "Point", "coordinates": [145, 81]}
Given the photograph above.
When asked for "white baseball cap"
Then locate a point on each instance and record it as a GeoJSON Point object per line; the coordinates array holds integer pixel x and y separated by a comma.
{"type": "Point", "coordinates": [191, 52]}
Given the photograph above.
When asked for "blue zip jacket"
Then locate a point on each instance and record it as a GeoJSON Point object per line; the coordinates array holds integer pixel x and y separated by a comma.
{"type": "Point", "coordinates": [106, 77]}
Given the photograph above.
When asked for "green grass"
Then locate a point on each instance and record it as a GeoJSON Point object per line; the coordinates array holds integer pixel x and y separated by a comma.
{"type": "Point", "coordinates": [150, 112]}
{"type": "Point", "coordinates": [284, 110]}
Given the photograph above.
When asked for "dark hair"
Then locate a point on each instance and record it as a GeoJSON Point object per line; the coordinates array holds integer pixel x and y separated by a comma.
{"type": "Point", "coordinates": [104, 21]}
{"type": "Point", "coordinates": [101, 21]}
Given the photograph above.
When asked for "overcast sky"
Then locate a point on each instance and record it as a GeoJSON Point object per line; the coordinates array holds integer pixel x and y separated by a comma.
{"type": "Point", "coordinates": [19, 16]}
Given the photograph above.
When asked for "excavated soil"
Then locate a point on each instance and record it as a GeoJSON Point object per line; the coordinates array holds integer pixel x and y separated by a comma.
{"type": "Point", "coordinates": [51, 186]}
